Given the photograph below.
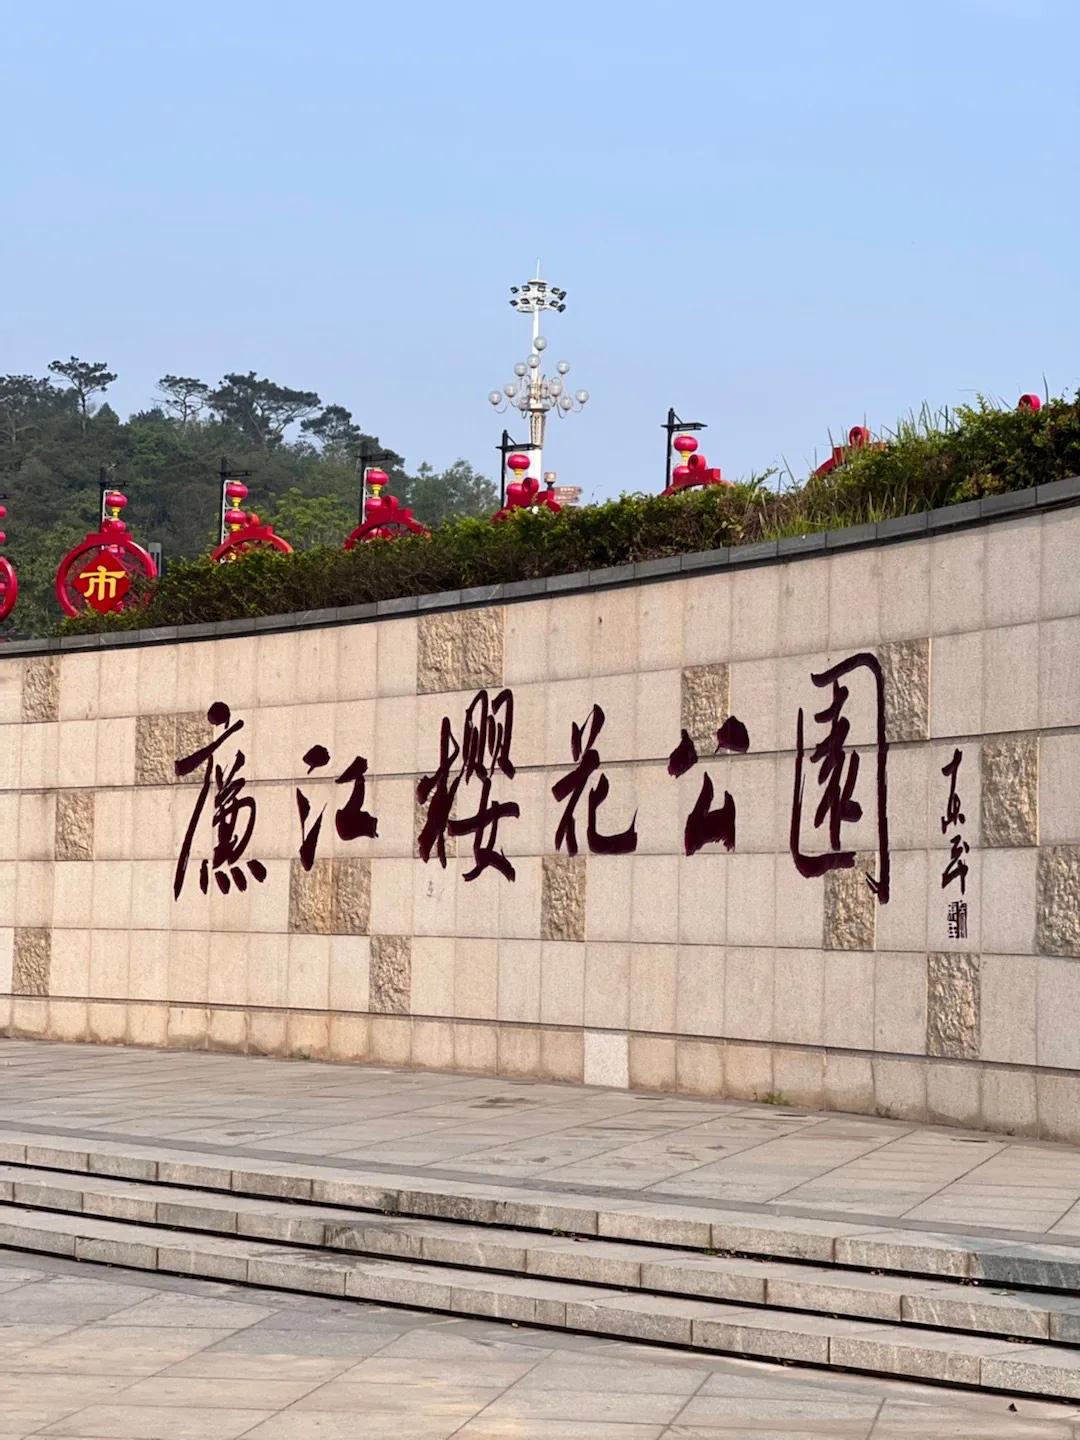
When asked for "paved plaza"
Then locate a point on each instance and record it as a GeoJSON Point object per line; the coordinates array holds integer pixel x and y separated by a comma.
{"type": "Point", "coordinates": [92, 1353]}
{"type": "Point", "coordinates": [547, 1137]}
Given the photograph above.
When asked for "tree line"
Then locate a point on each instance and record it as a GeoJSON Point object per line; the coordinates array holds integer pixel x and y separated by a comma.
{"type": "Point", "coordinates": [58, 433]}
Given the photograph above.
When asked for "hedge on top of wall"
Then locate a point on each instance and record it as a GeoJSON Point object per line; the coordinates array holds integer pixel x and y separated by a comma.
{"type": "Point", "coordinates": [931, 461]}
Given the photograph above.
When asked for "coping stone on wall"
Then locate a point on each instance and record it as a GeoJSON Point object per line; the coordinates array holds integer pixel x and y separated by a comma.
{"type": "Point", "coordinates": [851, 537]}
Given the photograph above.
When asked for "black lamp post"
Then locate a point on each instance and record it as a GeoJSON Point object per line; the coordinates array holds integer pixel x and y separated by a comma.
{"type": "Point", "coordinates": [672, 424]}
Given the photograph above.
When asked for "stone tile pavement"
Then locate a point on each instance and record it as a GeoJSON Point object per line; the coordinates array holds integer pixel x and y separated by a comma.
{"type": "Point", "coordinates": [92, 1353]}
{"type": "Point", "coordinates": [548, 1137]}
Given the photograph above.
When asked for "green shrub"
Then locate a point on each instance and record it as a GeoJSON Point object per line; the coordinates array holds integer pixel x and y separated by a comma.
{"type": "Point", "coordinates": [930, 461]}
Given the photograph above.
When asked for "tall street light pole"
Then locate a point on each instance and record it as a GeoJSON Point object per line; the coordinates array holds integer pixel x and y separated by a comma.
{"type": "Point", "coordinates": [532, 392]}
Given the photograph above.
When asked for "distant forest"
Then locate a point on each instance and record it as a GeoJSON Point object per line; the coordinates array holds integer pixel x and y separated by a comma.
{"type": "Point", "coordinates": [59, 433]}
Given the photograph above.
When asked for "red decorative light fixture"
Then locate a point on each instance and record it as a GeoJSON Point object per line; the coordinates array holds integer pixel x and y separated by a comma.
{"type": "Point", "coordinates": [98, 573]}
{"type": "Point", "coordinates": [524, 493]}
{"type": "Point", "coordinates": [243, 531]}
{"type": "Point", "coordinates": [858, 439]}
{"type": "Point", "coordinates": [694, 472]}
{"type": "Point", "coordinates": [385, 518]}
{"type": "Point", "coordinates": [1029, 402]}
{"type": "Point", "coordinates": [9, 581]}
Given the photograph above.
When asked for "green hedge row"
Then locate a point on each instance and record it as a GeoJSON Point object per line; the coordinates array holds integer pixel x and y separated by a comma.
{"type": "Point", "coordinates": [930, 461]}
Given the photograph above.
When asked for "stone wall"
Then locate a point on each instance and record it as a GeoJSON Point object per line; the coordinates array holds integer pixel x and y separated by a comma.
{"type": "Point", "coordinates": [714, 973]}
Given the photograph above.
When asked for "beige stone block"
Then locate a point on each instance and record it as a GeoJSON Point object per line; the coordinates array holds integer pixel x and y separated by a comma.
{"type": "Point", "coordinates": [1059, 789]}
{"type": "Point", "coordinates": [11, 692]}
{"type": "Point", "coordinates": [41, 689]}
{"type": "Point", "coordinates": [699, 1067]}
{"type": "Point", "coordinates": [348, 1037]}
{"type": "Point", "coordinates": [476, 901]}
{"type": "Point", "coordinates": [136, 823]}
{"type": "Point", "coordinates": [9, 823]}
{"type": "Point", "coordinates": [569, 624]}
{"type": "Point", "coordinates": [481, 633]}
{"type": "Point", "coordinates": [705, 703]}
{"type": "Point", "coordinates": [1058, 990]}
{"type": "Point", "coordinates": [519, 1050]}
{"type": "Point", "coordinates": [953, 1094]}
{"type": "Point", "coordinates": [1057, 912]}
{"type": "Point", "coordinates": [905, 666]}
{"type": "Point", "coordinates": [848, 1083]}
{"type": "Point", "coordinates": [227, 980]}
{"type": "Point", "coordinates": [657, 701]}
{"type": "Point", "coordinates": [702, 907]}
{"type": "Point", "coordinates": [432, 1044]}
{"type": "Point", "coordinates": [390, 1039]}
{"type": "Point", "coordinates": [475, 1048]}
{"type": "Point", "coordinates": [952, 1005]}
{"type": "Point", "coordinates": [608, 912]}
{"type": "Point", "coordinates": [350, 967]}
{"type": "Point", "coordinates": [77, 753]}
{"type": "Point", "coordinates": [114, 761]}
{"type": "Point", "coordinates": [707, 618]}
{"type": "Point", "coordinates": [148, 965]}
{"type": "Point", "coordinates": [309, 972]}
{"type": "Point", "coordinates": [31, 960]}
{"type": "Point", "coordinates": [957, 581]}
{"type": "Point", "coordinates": [661, 609]}
{"type": "Point", "coordinates": [614, 631]}
{"type": "Point", "coordinates": [956, 685]}
{"type": "Point", "coordinates": [391, 896]}
{"type": "Point", "coordinates": [227, 1030]}
{"type": "Point", "coordinates": [147, 1025]}
{"type": "Point", "coordinates": [804, 606]}
{"type": "Point", "coordinates": [519, 905]}
{"type": "Point", "coordinates": [848, 1008]}
{"type": "Point", "coordinates": [748, 1071]}
{"type": "Point", "coordinates": [278, 659]}
{"type": "Point", "coordinates": [111, 899]}
{"type": "Point", "coordinates": [654, 911]}
{"type": "Point", "coordinates": [438, 653]}
{"type": "Point", "coordinates": [7, 958]}
{"type": "Point", "coordinates": [563, 897]}
{"type": "Point", "coordinates": [307, 1037]}
{"type": "Point", "coordinates": [69, 963]}
{"type": "Point", "coordinates": [1059, 674]}
{"type": "Point", "coordinates": [751, 899]}
{"type": "Point", "coordinates": [109, 964]}
{"type": "Point", "coordinates": [652, 1062]}
{"type": "Point", "coordinates": [396, 656]}
{"type": "Point", "coordinates": [562, 983]}
{"type": "Point", "coordinates": [434, 899]}
{"type": "Point", "coordinates": [151, 894]}
{"type": "Point", "coordinates": [1010, 791]}
{"type": "Point", "coordinates": [78, 686]}
{"type": "Point", "coordinates": [350, 912]}
{"type": "Point", "coordinates": [900, 1089]}
{"type": "Point", "coordinates": [901, 924]}
{"type": "Point", "coordinates": [1009, 1101]}
{"type": "Point", "coordinates": [1011, 678]}
{"type": "Point", "coordinates": [653, 987]}
{"type": "Point", "coordinates": [755, 613]}
{"type": "Point", "coordinates": [187, 1026]}
{"type": "Point", "coordinates": [357, 661]}
{"type": "Point", "coordinates": [189, 966]}
{"type": "Point", "coordinates": [748, 993]}
{"type": "Point", "coordinates": [391, 965]}
{"type": "Point", "coordinates": [1013, 562]}
{"type": "Point", "coordinates": [1008, 988]}
{"type": "Point", "coordinates": [1009, 888]}
{"type": "Point", "coordinates": [1058, 1098]}
{"type": "Point", "coordinates": [900, 1003]}
{"type": "Point", "coordinates": [798, 996]}
{"type": "Point", "coordinates": [155, 749]}
{"type": "Point", "coordinates": [267, 1032]}
{"type": "Point", "coordinates": [69, 1020]}
{"type": "Point", "coordinates": [417, 978]}
{"type": "Point", "coordinates": [854, 583]}
{"type": "Point", "coordinates": [562, 1055]}
{"type": "Point", "coordinates": [1060, 583]}
{"type": "Point", "coordinates": [799, 1076]}
{"type": "Point", "coordinates": [476, 978]}
{"type": "Point", "coordinates": [606, 1059]}
{"type": "Point", "coordinates": [107, 1022]}
{"type": "Point", "coordinates": [699, 1000]}
{"type": "Point", "coordinates": [157, 676]}
{"type": "Point", "coordinates": [850, 907]}
{"type": "Point", "coordinates": [74, 825]}
{"type": "Point", "coordinates": [8, 890]}
{"type": "Point", "coordinates": [29, 1018]}
{"type": "Point", "coordinates": [524, 643]}
{"type": "Point", "coordinates": [36, 825]}
{"type": "Point", "coordinates": [519, 980]}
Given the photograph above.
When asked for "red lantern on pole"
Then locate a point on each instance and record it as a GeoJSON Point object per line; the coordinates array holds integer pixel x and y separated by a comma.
{"type": "Point", "coordinates": [98, 573]}
{"type": "Point", "coordinates": [695, 471]}
{"type": "Point", "coordinates": [243, 531]}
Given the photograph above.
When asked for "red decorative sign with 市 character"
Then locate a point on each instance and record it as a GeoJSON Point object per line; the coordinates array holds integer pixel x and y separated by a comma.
{"type": "Point", "coordinates": [99, 572]}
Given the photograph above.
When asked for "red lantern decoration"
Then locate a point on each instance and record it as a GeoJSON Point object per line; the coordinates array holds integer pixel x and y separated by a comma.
{"type": "Point", "coordinates": [99, 572]}
{"type": "Point", "coordinates": [695, 473]}
{"type": "Point", "coordinates": [385, 518]}
{"type": "Point", "coordinates": [9, 581]}
{"type": "Point", "coordinates": [858, 439]}
{"type": "Point", "coordinates": [525, 494]}
{"type": "Point", "coordinates": [1029, 402]}
{"type": "Point", "coordinates": [244, 530]}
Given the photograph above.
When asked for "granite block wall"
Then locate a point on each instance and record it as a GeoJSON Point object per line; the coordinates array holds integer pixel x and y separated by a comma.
{"type": "Point", "coordinates": [885, 919]}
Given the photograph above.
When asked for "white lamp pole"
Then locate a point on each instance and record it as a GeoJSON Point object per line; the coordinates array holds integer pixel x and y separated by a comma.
{"type": "Point", "coordinates": [532, 392]}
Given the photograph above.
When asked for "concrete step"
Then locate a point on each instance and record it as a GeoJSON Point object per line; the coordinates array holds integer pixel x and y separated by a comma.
{"type": "Point", "coordinates": [1005, 1260]}
{"type": "Point", "coordinates": [806, 1287]}
{"type": "Point", "coordinates": [1047, 1371]}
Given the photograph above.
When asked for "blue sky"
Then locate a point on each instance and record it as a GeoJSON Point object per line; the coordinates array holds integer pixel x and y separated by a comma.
{"type": "Point", "coordinates": [783, 218]}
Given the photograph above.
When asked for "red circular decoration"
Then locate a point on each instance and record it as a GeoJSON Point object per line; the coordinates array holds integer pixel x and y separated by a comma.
{"type": "Point", "coordinates": [377, 477]}
{"type": "Point", "coordinates": [685, 444]}
{"type": "Point", "coordinates": [98, 573]}
{"type": "Point", "coordinates": [517, 462]}
{"type": "Point", "coordinates": [235, 490]}
{"type": "Point", "coordinates": [250, 534]}
{"type": "Point", "coordinates": [1029, 402]}
{"type": "Point", "coordinates": [9, 587]}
